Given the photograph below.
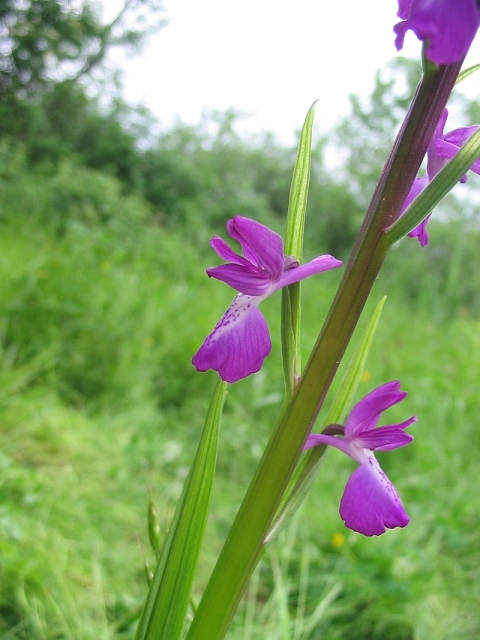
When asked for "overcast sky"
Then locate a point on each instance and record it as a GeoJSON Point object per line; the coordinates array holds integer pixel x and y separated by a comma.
{"type": "Point", "coordinates": [269, 58]}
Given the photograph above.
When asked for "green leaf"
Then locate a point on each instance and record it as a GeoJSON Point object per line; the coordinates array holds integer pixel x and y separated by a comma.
{"type": "Point", "coordinates": [163, 617]}
{"type": "Point", "coordinates": [297, 207]}
{"type": "Point", "coordinates": [297, 204]}
{"type": "Point", "coordinates": [307, 469]}
{"type": "Point", "coordinates": [467, 72]}
{"type": "Point", "coordinates": [437, 189]}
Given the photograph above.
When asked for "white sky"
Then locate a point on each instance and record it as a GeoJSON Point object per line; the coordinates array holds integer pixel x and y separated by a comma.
{"type": "Point", "coordinates": [269, 58]}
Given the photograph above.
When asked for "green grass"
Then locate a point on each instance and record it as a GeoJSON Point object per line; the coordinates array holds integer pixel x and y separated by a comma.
{"type": "Point", "coordinates": [100, 406]}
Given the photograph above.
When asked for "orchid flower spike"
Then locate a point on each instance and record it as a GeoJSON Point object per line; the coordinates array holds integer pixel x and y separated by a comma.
{"type": "Point", "coordinates": [442, 147]}
{"type": "Point", "coordinates": [370, 502]}
{"type": "Point", "coordinates": [240, 341]}
{"type": "Point", "coordinates": [448, 26]}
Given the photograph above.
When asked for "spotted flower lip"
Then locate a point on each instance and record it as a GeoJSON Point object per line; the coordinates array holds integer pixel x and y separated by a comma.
{"type": "Point", "coordinates": [442, 148]}
{"type": "Point", "coordinates": [240, 341]}
{"type": "Point", "coordinates": [448, 26]}
{"type": "Point", "coordinates": [370, 502]}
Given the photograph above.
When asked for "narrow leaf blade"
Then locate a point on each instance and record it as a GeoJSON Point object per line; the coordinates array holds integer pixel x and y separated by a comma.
{"type": "Point", "coordinates": [297, 208]}
{"type": "Point", "coordinates": [467, 72]}
{"type": "Point", "coordinates": [163, 617]}
{"type": "Point", "coordinates": [297, 205]}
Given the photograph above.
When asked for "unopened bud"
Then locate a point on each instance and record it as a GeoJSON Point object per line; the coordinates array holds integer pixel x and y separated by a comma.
{"type": "Point", "coordinates": [148, 573]}
{"type": "Point", "coordinates": [153, 526]}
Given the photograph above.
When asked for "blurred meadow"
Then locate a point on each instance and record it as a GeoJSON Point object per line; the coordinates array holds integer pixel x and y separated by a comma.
{"type": "Point", "coordinates": [104, 231]}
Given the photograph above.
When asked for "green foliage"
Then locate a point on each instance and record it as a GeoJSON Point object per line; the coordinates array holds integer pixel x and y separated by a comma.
{"type": "Point", "coordinates": [39, 36]}
{"type": "Point", "coordinates": [67, 123]}
{"type": "Point", "coordinates": [43, 41]}
{"type": "Point", "coordinates": [442, 279]}
{"type": "Point", "coordinates": [99, 401]}
{"type": "Point", "coordinates": [103, 301]}
{"type": "Point", "coordinates": [46, 47]}
{"type": "Point", "coordinates": [210, 169]}
{"type": "Point", "coordinates": [364, 138]}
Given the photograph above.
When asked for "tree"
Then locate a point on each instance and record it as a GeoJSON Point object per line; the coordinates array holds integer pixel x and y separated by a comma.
{"type": "Point", "coordinates": [363, 138]}
{"type": "Point", "coordinates": [45, 41]}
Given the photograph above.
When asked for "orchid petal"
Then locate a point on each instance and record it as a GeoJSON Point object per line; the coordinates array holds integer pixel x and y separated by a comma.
{"type": "Point", "coordinates": [461, 135]}
{"type": "Point", "coordinates": [248, 280]}
{"type": "Point", "coordinates": [385, 438]}
{"type": "Point", "coordinates": [238, 344]}
{"type": "Point", "coordinates": [417, 187]}
{"type": "Point", "coordinates": [317, 265]}
{"type": "Point", "coordinates": [434, 162]}
{"type": "Point", "coordinates": [446, 149]}
{"type": "Point", "coordinates": [370, 502]}
{"type": "Point", "coordinates": [448, 27]}
{"type": "Point", "coordinates": [366, 413]}
{"type": "Point", "coordinates": [421, 232]}
{"type": "Point", "coordinates": [404, 8]}
{"type": "Point", "coordinates": [314, 439]}
{"type": "Point", "coordinates": [261, 246]}
{"type": "Point", "coordinates": [223, 250]}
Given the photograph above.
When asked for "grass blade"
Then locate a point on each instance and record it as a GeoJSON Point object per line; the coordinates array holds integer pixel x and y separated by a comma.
{"type": "Point", "coordinates": [163, 617]}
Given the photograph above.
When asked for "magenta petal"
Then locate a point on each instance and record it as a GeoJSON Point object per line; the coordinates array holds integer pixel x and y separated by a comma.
{"type": "Point", "coordinates": [263, 247]}
{"type": "Point", "coordinates": [239, 343]}
{"type": "Point", "coordinates": [317, 265]}
{"type": "Point", "coordinates": [404, 8]}
{"type": "Point", "coordinates": [421, 232]}
{"type": "Point", "coordinates": [417, 187]}
{"type": "Point", "coordinates": [366, 413]}
{"type": "Point", "coordinates": [448, 26]}
{"type": "Point", "coordinates": [448, 147]}
{"type": "Point", "coordinates": [370, 502]}
{"type": "Point", "coordinates": [385, 438]}
{"type": "Point", "coordinates": [222, 249]}
{"type": "Point", "coordinates": [315, 439]}
{"type": "Point", "coordinates": [459, 136]}
{"type": "Point", "coordinates": [248, 280]}
{"type": "Point", "coordinates": [435, 162]}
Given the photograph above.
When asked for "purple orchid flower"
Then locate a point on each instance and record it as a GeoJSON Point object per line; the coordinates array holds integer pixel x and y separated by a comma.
{"type": "Point", "coordinates": [442, 147]}
{"type": "Point", "coordinates": [370, 502]}
{"type": "Point", "coordinates": [240, 341]}
{"type": "Point", "coordinates": [449, 26]}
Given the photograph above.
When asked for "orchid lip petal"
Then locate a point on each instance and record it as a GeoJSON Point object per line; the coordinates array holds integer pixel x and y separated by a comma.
{"type": "Point", "coordinates": [370, 503]}
{"type": "Point", "coordinates": [421, 232]}
{"type": "Point", "coordinates": [238, 344]}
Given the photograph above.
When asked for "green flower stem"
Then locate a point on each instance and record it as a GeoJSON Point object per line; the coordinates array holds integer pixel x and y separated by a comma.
{"type": "Point", "coordinates": [245, 543]}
